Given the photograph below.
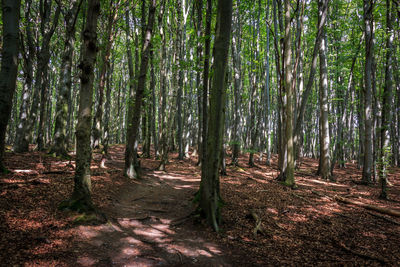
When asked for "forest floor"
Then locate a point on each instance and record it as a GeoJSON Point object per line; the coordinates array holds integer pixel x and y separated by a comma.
{"type": "Point", "coordinates": [149, 223]}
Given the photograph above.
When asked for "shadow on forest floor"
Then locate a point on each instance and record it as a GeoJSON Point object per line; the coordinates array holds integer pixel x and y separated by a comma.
{"type": "Point", "coordinates": [149, 223]}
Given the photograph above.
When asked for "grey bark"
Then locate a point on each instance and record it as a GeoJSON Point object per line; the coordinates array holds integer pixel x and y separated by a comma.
{"type": "Point", "coordinates": [65, 83]}
{"type": "Point", "coordinates": [81, 196]}
{"type": "Point", "coordinates": [324, 143]}
{"type": "Point", "coordinates": [386, 105]}
{"type": "Point", "coordinates": [131, 167]}
{"type": "Point", "coordinates": [21, 143]}
{"type": "Point", "coordinates": [368, 133]}
{"type": "Point", "coordinates": [9, 67]}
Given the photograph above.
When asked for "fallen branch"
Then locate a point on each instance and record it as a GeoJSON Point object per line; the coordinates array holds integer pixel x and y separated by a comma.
{"type": "Point", "coordinates": [384, 218]}
{"type": "Point", "coordinates": [369, 207]}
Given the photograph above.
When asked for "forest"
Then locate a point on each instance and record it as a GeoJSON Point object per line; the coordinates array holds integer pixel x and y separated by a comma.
{"type": "Point", "coordinates": [199, 132]}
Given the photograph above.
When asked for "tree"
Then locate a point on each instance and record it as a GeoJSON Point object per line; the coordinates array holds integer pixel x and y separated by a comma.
{"type": "Point", "coordinates": [131, 167]}
{"type": "Point", "coordinates": [65, 82]}
{"type": "Point", "coordinates": [387, 99]}
{"type": "Point", "coordinates": [21, 143]}
{"type": "Point", "coordinates": [210, 200]}
{"type": "Point", "coordinates": [324, 168]}
{"type": "Point", "coordinates": [81, 196]}
{"type": "Point", "coordinates": [9, 67]}
{"type": "Point", "coordinates": [288, 87]}
{"type": "Point", "coordinates": [369, 50]}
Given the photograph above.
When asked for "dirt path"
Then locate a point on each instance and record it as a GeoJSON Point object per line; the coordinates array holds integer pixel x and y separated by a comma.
{"type": "Point", "coordinates": [147, 224]}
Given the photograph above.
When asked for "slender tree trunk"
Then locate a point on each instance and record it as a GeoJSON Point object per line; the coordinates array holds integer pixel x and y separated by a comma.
{"type": "Point", "coordinates": [21, 143]}
{"type": "Point", "coordinates": [104, 66]}
{"type": "Point", "coordinates": [287, 53]}
{"type": "Point", "coordinates": [81, 196]}
{"type": "Point", "coordinates": [43, 68]}
{"type": "Point", "coordinates": [65, 83]}
{"type": "Point", "coordinates": [130, 164]}
{"type": "Point", "coordinates": [267, 90]}
{"type": "Point", "coordinates": [368, 134]}
{"type": "Point", "coordinates": [206, 68]}
{"type": "Point", "coordinates": [323, 102]}
{"type": "Point", "coordinates": [209, 189]}
{"type": "Point", "coordinates": [308, 89]}
{"type": "Point", "coordinates": [9, 67]}
{"type": "Point", "coordinates": [199, 9]}
{"type": "Point", "coordinates": [386, 105]}
{"type": "Point", "coordinates": [236, 62]}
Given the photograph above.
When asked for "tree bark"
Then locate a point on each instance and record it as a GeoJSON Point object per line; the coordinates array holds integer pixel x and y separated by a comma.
{"type": "Point", "coordinates": [323, 101]}
{"type": "Point", "coordinates": [131, 168]}
{"type": "Point", "coordinates": [368, 133]}
{"type": "Point", "coordinates": [209, 189]}
{"type": "Point", "coordinates": [287, 53]}
{"type": "Point", "coordinates": [207, 35]}
{"type": "Point", "coordinates": [21, 143]}
{"type": "Point", "coordinates": [9, 67]}
{"type": "Point", "coordinates": [386, 105]}
{"type": "Point", "coordinates": [65, 83]}
{"type": "Point", "coordinates": [81, 197]}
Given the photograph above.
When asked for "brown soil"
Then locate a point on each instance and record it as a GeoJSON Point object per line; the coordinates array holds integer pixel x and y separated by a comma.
{"type": "Point", "coordinates": [149, 220]}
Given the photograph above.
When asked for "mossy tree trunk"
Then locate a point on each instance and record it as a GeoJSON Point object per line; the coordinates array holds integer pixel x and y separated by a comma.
{"type": "Point", "coordinates": [59, 146]}
{"type": "Point", "coordinates": [81, 196]}
{"type": "Point", "coordinates": [209, 190]}
{"type": "Point", "coordinates": [387, 100]}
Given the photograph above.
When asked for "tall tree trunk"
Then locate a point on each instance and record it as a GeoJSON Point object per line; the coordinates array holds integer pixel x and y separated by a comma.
{"type": "Point", "coordinates": [81, 197]}
{"type": "Point", "coordinates": [43, 68]}
{"type": "Point", "coordinates": [104, 66]}
{"type": "Point", "coordinates": [154, 129]}
{"type": "Point", "coordinates": [9, 67]}
{"type": "Point", "coordinates": [386, 105]}
{"type": "Point", "coordinates": [209, 189]}
{"type": "Point", "coordinates": [21, 143]}
{"type": "Point", "coordinates": [267, 90]}
{"type": "Point", "coordinates": [287, 53]}
{"type": "Point", "coordinates": [207, 35]}
{"type": "Point", "coordinates": [65, 83]}
{"type": "Point", "coordinates": [369, 53]}
{"type": "Point", "coordinates": [324, 143]}
{"type": "Point", "coordinates": [131, 168]}
{"type": "Point", "coordinates": [236, 62]}
{"type": "Point", "coordinates": [199, 10]}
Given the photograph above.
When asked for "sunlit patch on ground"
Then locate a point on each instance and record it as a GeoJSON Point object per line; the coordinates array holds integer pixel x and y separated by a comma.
{"type": "Point", "coordinates": [149, 222]}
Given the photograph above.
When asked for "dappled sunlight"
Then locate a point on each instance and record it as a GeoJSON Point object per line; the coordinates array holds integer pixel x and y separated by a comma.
{"type": "Point", "coordinates": [88, 232]}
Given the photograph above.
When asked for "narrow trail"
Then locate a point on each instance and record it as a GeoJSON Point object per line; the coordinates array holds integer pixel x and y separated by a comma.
{"type": "Point", "coordinates": [148, 223]}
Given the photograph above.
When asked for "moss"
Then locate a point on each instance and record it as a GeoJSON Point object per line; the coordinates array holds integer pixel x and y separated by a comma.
{"type": "Point", "coordinates": [86, 218]}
